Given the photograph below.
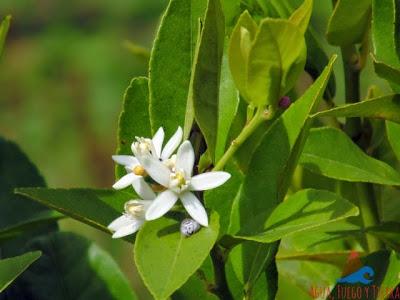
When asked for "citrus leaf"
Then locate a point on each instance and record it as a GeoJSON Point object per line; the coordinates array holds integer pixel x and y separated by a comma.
{"type": "Point", "coordinates": [303, 210]}
{"type": "Point", "coordinates": [386, 107]}
{"type": "Point", "coordinates": [96, 208]}
{"type": "Point", "coordinates": [207, 72]}
{"type": "Point", "coordinates": [330, 152]}
{"type": "Point", "coordinates": [11, 268]}
{"type": "Point", "coordinates": [166, 259]}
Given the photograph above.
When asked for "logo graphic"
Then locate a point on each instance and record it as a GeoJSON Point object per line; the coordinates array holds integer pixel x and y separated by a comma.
{"type": "Point", "coordinates": [363, 275]}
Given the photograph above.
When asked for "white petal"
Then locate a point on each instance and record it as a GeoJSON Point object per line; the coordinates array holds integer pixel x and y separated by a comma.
{"type": "Point", "coordinates": [156, 169]}
{"type": "Point", "coordinates": [119, 222]}
{"type": "Point", "coordinates": [125, 181]}
{"type": "Point", "coordinates": [185, 158]}
{"type": "Point", "coordinates": [172, 144]}
{"type": "Point", "coordinates": [194, 208]}
{"type": "Point", "coordinates": [158, 140]}
{"type": "Point", "coordinates": [143, 189]}
{"type": "Point", "coordinates": [128, 229]}
{"type": "Point", "coordinates": [209, 180]}
{"type": "Point", "coordinates": [125, 160]}
{"type": "Point", "coordinates": [161, 205]}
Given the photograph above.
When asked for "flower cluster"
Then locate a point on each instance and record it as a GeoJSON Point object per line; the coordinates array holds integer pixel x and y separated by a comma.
{"type": "Point", "coordinates": [170, 176]}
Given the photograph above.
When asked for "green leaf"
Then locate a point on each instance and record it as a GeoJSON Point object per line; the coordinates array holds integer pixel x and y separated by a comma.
{"type": "Point", "coordinates": [386, 107]}
{"type": "Point", "coordinates": [348, 22]}
{"type": "Point", "coordinates": [387, 72]}
{"type": "Point", "coordinates": [231, 9]}
{"type": "Point", "coordinates": [301, 16]}
{"type": "Point", "coordinates": [43, 218]}
{"type": "Point", "coordinates": [228, 105]}
{"type": "Point", "coordinates": [258, 197]}
{"type": "Point", "coordinates": [276, 59]}
{"type": "Point", "coordinates": [4, 26]}
{"type": "Point", "coordinates": [393, 134]}
{"type": "Point", "coordinates": [11, 268]}
{"type": "Point", "coordinates": [166, 259]}
{"type": "Point", "coordinates": [286, 131]}
{"type": "Point", "coordinates": [242, 36]}
{"type": "Point", "coordinates": [198, 285]}
{"type": "Point", "coordinates": [302, 211]}
{"type": "Point", "coordinates": [17, 171]}
{"type": "Point", "coordinates": [207, 72]}
{"type": "Point", "coordinates": [134, 119]}
{"type": "Point", "coordinates": [222, 198]}
{"type": "Point", "coordinates": [72, 267]}
{"type": "Point", "coordinates": [330, 152]}
{"type": "Point", "coordinates": [385, 31]}
{"type": "Point", "coordinates": [171, 63]}
{"type": "Point", "coordinates": [96, 208]}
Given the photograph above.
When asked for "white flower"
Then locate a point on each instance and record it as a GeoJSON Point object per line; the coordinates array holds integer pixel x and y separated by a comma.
{"type": "Point", "coordinates": [180, 184]}
{"type": "Point", "coordinates": [132, 219]}
{"type": "Point", "coordinates": [145, 146]}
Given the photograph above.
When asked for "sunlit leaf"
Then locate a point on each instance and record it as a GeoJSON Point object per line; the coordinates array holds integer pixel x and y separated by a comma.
{"type": "Point", "coordinates": [386, 107]}
{"type": "Point", "coordinates": [166, 259]}
{"type": "Point", "coordinates": [330, 152]}
{"type": "Point", "coordinates": [301, 211]}
{"type": "Point", "coordinates": [171, 63]}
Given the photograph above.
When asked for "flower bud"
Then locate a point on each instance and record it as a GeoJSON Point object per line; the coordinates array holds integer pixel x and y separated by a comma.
{"type": "Point", "coordinates": [285, 102]}
{"type": "Point", "coordinates": [189, 227]}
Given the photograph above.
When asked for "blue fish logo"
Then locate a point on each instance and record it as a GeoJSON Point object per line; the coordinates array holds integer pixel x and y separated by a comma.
{"type": "Point", "coordinates": [359, 276]}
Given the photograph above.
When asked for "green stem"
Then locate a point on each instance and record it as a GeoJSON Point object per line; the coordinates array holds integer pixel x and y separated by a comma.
{"type": "Point", "coordinates": [369, 214]}
{"type": "Point", "coordinates": [258, 118]}
{"type": "Point", "coordinates": [353, 128]}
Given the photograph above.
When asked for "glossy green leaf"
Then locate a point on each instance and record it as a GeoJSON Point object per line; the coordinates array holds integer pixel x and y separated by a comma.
{"type": "Point", "coordinates": [276, 59]}
{"type": "Point", "coordinates": [249, 211]}
{"type": "Point", "coordinates": [387, 72]}
{"type": "Point", "coordinates": [348, 22]}
{"type": "Point", "coordinates": [96, 208]}
{"type": "Point", "coordinates": [330, 152]}
{"type": "Point", "coordinates": [134, 119]}
{"type": "Point", "coordinates": [231, 9]}
{"type": "Point", "coordinates": [386, 107]}
{"type": "Point", "coordinates": [198, 285]}
{"type": "Point", "coordinates": [72, 267]}
{"type": "Point", "coordinates": [222, 198]}
{"type": "Point", "coordinates": [301, 16]}
{"type": "Point", "coordinates": [228, 105]}
{"type": "Point", "coordinates": [385, 36]}
{"type": "Point", "coordinates": [4, 26]}
{"type": "Point", "coordinates": [242, 36]}
{"type": "Point", "coordinates": [171, 63]}
{"type": "Point", "coordinates": [302, 211]}
{"type": "Point", "coordinates": [385, 31]}
{"type": "Point", "coordinates": [166, 259]}
{"type": "Point", "coordinates": [11, 268]}
{"type": "Point", "coordinates": [286, 131]}
{"type": "Point", "coordinates": [17, 171]}
{"type": "Point", "coordinates": [393, 134]}
{"type": "Point", "coordinates": [207, 72]}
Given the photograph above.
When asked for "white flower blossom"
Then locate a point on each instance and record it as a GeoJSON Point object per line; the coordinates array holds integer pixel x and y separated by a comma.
{"type": "Point", "coordinates": [180, 183]}
{"type": "Point", "coordinates": [141, 147]}
{"type": "Point", "coordinates": [131, 220]}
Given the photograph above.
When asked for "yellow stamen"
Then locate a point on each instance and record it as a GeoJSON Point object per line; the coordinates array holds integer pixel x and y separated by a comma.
{"type": "Point", "coordinates": [139, 171]}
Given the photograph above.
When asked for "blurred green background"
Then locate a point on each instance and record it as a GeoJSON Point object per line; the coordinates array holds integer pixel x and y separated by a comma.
{"type": "Point", "coordinates": [63, 75]}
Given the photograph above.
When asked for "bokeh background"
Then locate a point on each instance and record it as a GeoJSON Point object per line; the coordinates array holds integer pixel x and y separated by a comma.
{"type": "Point", "coordinates": [62, 78]}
